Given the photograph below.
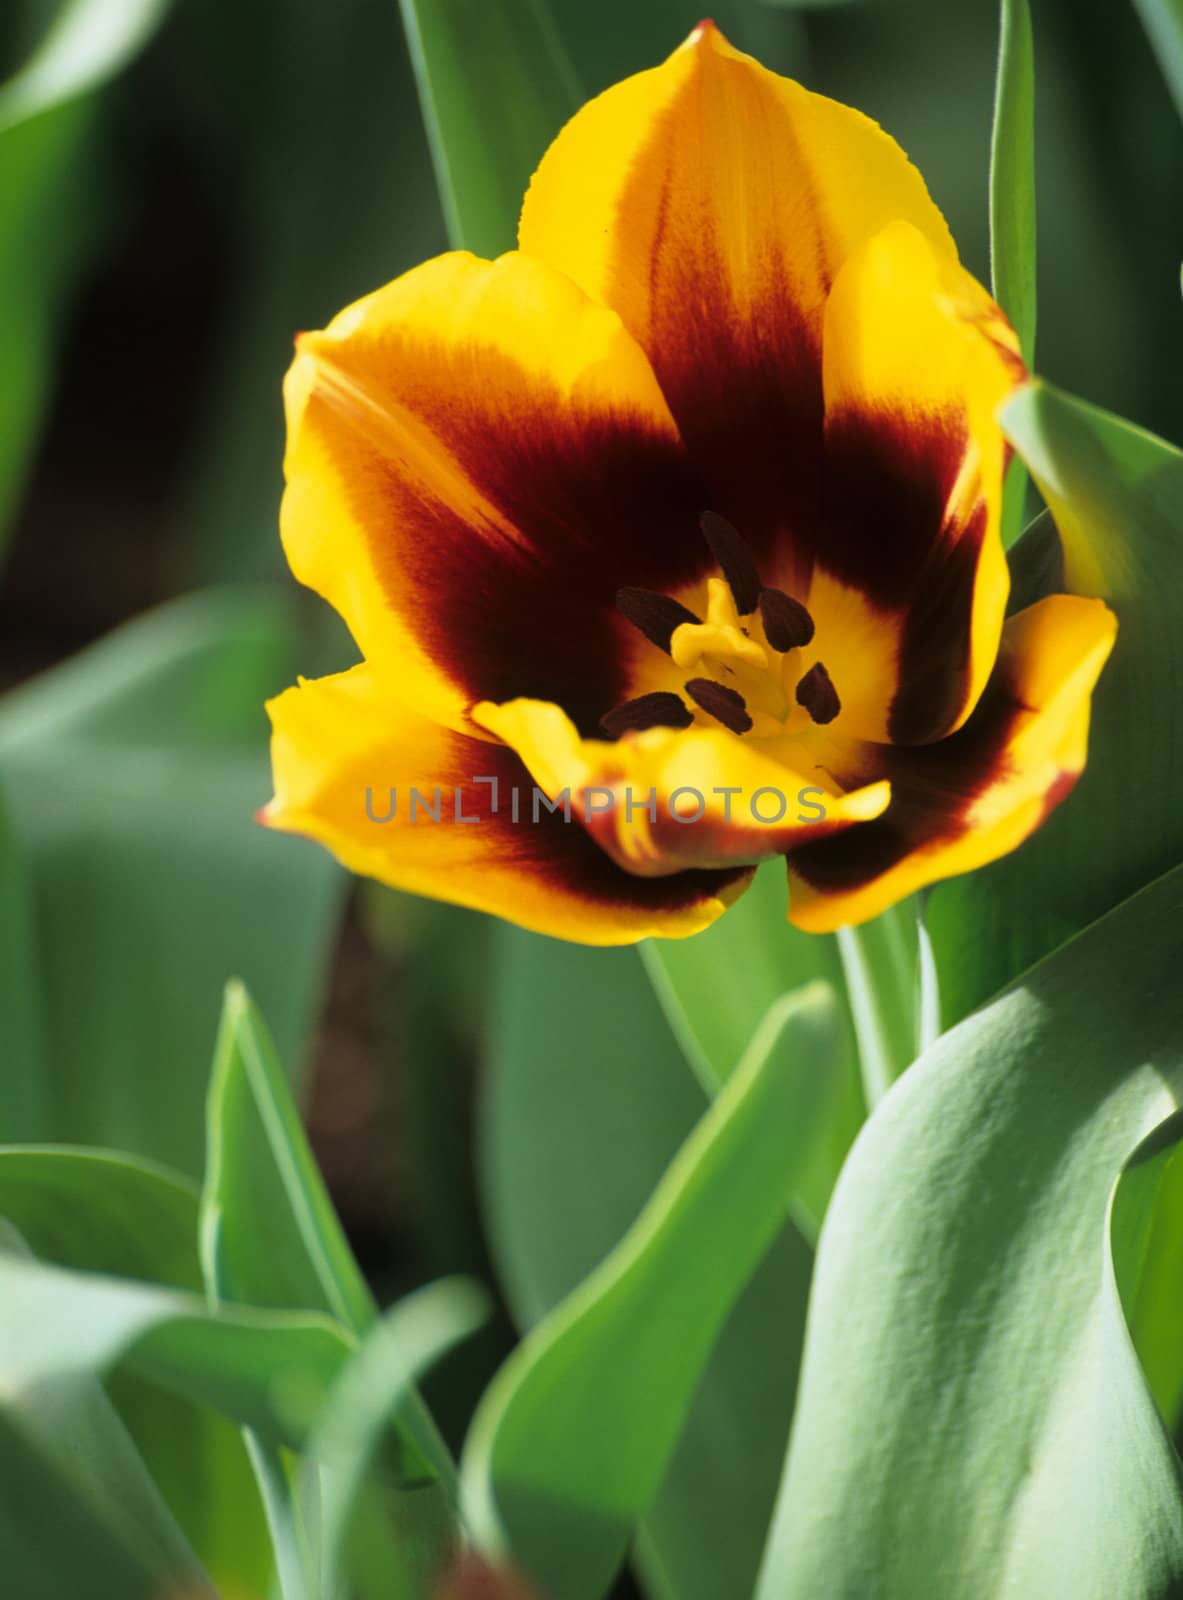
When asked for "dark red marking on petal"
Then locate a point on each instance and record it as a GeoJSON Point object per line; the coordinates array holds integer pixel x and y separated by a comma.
{"type": "Point", "coordinates": [656, 615]}
{"type": "Point", "coordinates": [596, 502]}
{"type": "Point", "coordinates": [743, 380]}
{"type": "Point", "coordinates": [661, 709]}
{"type": "Point", "coordinates": [735, 560]}
{"type": "Point", "coordinates": [816, 692]}
{"type": "Point", "coordinates": [787, 623]}
{"type": "Point", "coordinates": [717, 700]}
{"type": "Point", "coordinates": [561, 852]}
{"type": "Point", "coordinates": [933, 789]}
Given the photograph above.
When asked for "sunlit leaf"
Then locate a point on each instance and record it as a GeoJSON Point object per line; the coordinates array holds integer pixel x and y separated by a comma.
{"type": "Point", "coordinates": [1147, 1234]}
{"type": "Point", "coordinates": [570, 1444]}
{"type": "Point", "coordinates": [971, 1416]}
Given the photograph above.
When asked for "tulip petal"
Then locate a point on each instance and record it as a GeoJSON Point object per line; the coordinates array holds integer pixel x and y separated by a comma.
{"type": "Point", "coordinates": [666, 800]}
{"type": "Point", "coordinates": [976, 795]}
{"type": "Point", "coordinates": [342, 744]}
{"type": "Point", "coordinates": [478, 458]}
{"type": "Point", "coordinates": [917, 361]}
{"type": "Point", "coordinates": [712, 204]}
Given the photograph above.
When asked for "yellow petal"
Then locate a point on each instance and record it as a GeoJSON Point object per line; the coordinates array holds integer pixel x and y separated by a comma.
{"type": "Point", "coordinates": [917, 362]}
{"type": "Point", "coordinates": [976, 795]}
{"type": "Point", "coordinates": [665, 800]}
{"type": "Point", "coordinates": [478, 457]}
{"type": "Point", "coordinates": [399, 798]}
{"type": "Point", "coordinates": [712, 204]}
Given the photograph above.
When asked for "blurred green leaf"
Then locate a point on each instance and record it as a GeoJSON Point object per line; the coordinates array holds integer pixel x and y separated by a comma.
{"type": "Point", "coordinates": [586, 1101]}
{"type": "Point", "coordinates": [57, 1541]}
{"type": "Point", "coordinates": [68, 1437]}
{"type": "Point", "coordinates": [1146, 1228]}
{"type": "Point", "coordinates": [1012, 211]}
{"type": "Point", "coordinates": [971, 1414]}
{"type": "Point", "coordinates": [50, 208]}
{"type": "Point", "coordinates": [1163, 21]}
{"type": "Point", "coordinates": [570, 1445]}
{"type": "Point", "coordinates": [495, 87]}
{"type": "Point", "coordinates": [1116, 493]}
{"type": "Point", "coordinates": [24, 1112]}
{"type": "Point", "coordinates": [268, 1369]}
{"type": "Point", "coordinates": [881, 961]}
{"type": "Point", "coordinates": [403, 1539]}
{"type": "Point", "coordinates": [103, 1212]}
{"type": "Point", "coordinates": [133, 772]}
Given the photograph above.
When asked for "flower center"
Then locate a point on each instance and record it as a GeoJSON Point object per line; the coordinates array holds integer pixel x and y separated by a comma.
{"type": "Point", "coordinates": [742, 662]}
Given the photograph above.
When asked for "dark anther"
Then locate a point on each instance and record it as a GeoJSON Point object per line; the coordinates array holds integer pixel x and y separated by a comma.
{"type": "Point", "coordinates": [720, 702]}
{"type": "Point", "coordinates": [661, 709]}
{"type": "Point", "coordinates": [656, 615]}
{"type": "Point", "coordinates": [818, 695]}
{"type": "Point", "coordinates": [734, 557]}
{"type": "Point", "coordinates": [787, 624]}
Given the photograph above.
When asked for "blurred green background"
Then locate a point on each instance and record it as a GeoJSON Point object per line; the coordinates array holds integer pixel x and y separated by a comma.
{"type": "Point", "coordinates": [182, 188]}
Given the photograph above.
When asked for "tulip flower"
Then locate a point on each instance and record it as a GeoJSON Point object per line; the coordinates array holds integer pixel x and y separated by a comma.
{"type": "Point", "coordinates": [671, 540]}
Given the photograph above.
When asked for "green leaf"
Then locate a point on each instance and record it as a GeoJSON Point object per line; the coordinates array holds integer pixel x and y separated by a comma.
{"type": "Point", "coordinates": [269, 1234]}
{"type": "Point", "coordinates": [586, 1101]}
{"type": "Point", "coordinates": [1163, 21]}
{"type": "Point", "coordinates": [58, 1540]}
{"type": "Point", "coordinates": [24, 1111]}
{"type": "Point", "coordinates": [267, 1369]}
{"type": "Point", "coordinates": [1012, 211]}
{"type": "Point", "coordinates": [102, 1212]}
{"type": "Point", "coordinates": [970, 1411]}
{"type": "Point", "coordinates": [495, 88]}
{"type": "Point", "coordinates": [570, 1444]}
{"type": "Point", "coordinates": [1147, 1235]}
{"type": "Point", "coordinates": [133, 773]}
{"type": "Point", "coordinates": [715, 987]}
{"type": "Point", "coordinates": [48, 221]}
{"type": "Point", "coordinates": [1116, 493]}
{"type": "Point", "coordinates": [400, 1559]}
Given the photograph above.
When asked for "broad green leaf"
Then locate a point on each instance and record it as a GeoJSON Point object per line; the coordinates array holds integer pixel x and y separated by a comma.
{"type": "Point", "coordinates": [1147, 1235]}
{"type": "Point", "coordinates": [495, 88]}
{"type": "Point", "coordinates": [971, 1417]}
{"type": "Point", "coordinates": [269, 1234]}
{"type": "Point", "coordinates": [402, 1539]}
{"type": "Point", "coordinates": [571, 1442]}
{"type": "Point", "coordinates": [133, 773]}
{"type": "Point", "coordinates": [1163, 21]}
{"type": "Point", "coordinates": [586, 1100]}
{"type": "Point", "coordinates": [270, 1370]}
{"type": "Point", "coordinates": [715, 987]}
{"type": "Point", "coordinates": [1116, 493]}
{"type": "Point", "coordinates": [1012, 211]}
{"type": "Point", "coordinates": [102, 1212]}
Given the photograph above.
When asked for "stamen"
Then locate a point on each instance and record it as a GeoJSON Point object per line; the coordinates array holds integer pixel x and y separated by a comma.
{"type": "Point", "coordinates": [818, 695]}
{"type": "Point", "coordinates": [661, 709]}
{"type": "Point", "coordinates": [720, 702]}
{"type": "Point", "coordinates": [787, 624]}
{"type": "Point", "coordinates": [727, 546]}
{"type": "Point", "coordinates": [656, 615]}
